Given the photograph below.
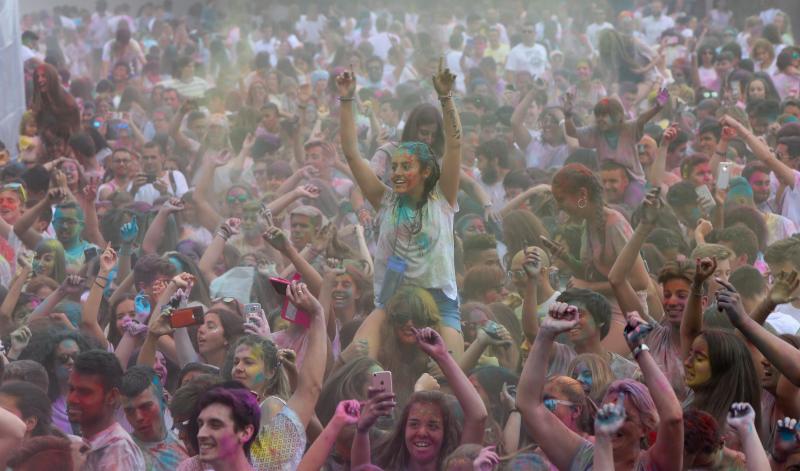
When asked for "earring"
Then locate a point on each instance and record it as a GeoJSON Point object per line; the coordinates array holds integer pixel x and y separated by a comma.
{"type": "Point", "coordinates": [582, 202]}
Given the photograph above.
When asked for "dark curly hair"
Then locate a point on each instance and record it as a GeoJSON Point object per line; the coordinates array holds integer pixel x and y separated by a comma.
{"type": "Point", "coordinates": [42, 349]}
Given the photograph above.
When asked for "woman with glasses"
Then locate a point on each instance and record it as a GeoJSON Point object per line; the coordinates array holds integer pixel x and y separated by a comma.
{"type": "Point", "coordinates": [56, 351]}
{"type": "Point", "coordinates": [704, 74]}
{"type": "Point", "coordinates": [649, 407]}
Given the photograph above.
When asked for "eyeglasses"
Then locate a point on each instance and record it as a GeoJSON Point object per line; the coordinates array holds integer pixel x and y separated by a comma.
{"type": "Point", "coordinates": [417, 319]}
{"type": "Point", "coordinates": [23, 195]}
{"type": "Point", "coordinates": [515, 274]}
{"type": "Point", "coordinates": [65, 358]}
{"type": "Point", "coordinates": [551, 404]}
{"type": "Point", "coordinates": [710, 94]}
{"type": "Point", "coordinates": [240, 198]}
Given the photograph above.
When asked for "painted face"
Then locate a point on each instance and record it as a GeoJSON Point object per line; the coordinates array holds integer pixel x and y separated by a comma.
{"type": "Point", "coordinates": [234, 201]}
{"type": "Point", "coordinates": [344, 292]}
{"type": "Point", "coordinates": [424, 432]}
{"type": "Point", "coordinates": [614, 184]}
{"type": "Point", "coordinates": [87, 399]}
{"type": "Point", "coordinates": [632, 430]}
{"type": "Point", "coordinates": [586, 328]}
{"type": "Point", "coordinates": [605, 122]}
{"type": "Point", "coordinates": [475, 227]}
{"type": "Point", "coordinates": [759, 182]}
{"type": "Point", "coordinates": [302, 230]}
{"type": "Point", "coordinates": [70, 170]}
{"type": "Point", "coordinates": [676, 295]}
{"type": "Point", "coordinates": [701, 174]}
{"type": "Point", "coordinates": [248, 367]}
{"type": "Point", "coordinates": [10, 206]}
{"type": "Point", "coordinates": [145, 416]}
{"type": "Point", "coordinates": [565, 412]}
{"type": "Point", "coordinates": [583, 374]}
{"type": "Point", "coordinates": [697, 366]}
{"type": "Point", "coordinates": [125, 309]}
{"type": "Point", "coordinates": [407, 173]}
{"type": "Point", "coordinates": [317, 158]}
{"type": "Point", "coordinates": [211, 335]}
{"type": "Point", "coordinates": [217, 437]}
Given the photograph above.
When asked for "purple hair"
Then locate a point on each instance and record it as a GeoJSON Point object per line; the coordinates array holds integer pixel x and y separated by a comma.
{"type": "Point", "coordinates": [641, 399]}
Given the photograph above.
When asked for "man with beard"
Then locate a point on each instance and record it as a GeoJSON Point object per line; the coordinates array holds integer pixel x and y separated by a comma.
{"type": "Point", "coordinates": [68, 222]}
{"type": "Point", "coordinates": [144, 404]}
{"type": "Point", "coordinates": [374, 73]}
{"type": "Point", "coordinates": [92, 400]}
{"type": "Point", "coordinates": [615, 180]}
{"type": "Point", "coordinates": [493, 163]}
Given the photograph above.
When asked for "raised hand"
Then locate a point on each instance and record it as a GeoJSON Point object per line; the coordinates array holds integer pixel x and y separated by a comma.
{"type": "Point", "coordinates": [728, 133]}
{"type": "Point", "coordinates": [495, 334]}
{"type": "Point", "coordinates": [426, 382]}
{"type": "Point", "coordinates": [256, 324]}
{"type": "Point", "coordinates": [663, 97]}
{"type": "Point", "coordinates": [348, 412]}
{"type": "Point", "coordinates": [741, 417]}
{"type": "Point", "coordinates": [704, 269]}
{"type": "Point", "coordinates": [670, 134]}
{"type": "Point", "coordinates": [610, 417]}
{"type": "Point", "coordinates": [532, 263]}
{"type": "Point", "coordinates": [787, 437]}
{"type": "Point", "coordinates": [346, 83]}
{"type": "Point", "coordinates": [729, 302]}
{"type": "Point", "coordinates": [72, 285]}
{"type": "Point", "coordinates": [56, 195]}
{"type": "Point", "coordinates": [704, 227]}
{"type": "Point", "coordinates": [444, 81]}
{"type": "Point", "coordinates": [508, 397]}
{"type": "Point", "coordinates": [301, 297]}
{"type": "Point", "coordinates": [560, 318]}
{"type": "Point", "coordinates": [276, 238]}
{"type": "Point", "coordinates": [20, 339]}
{"type": "Point", "coordinates": [307, 191]}
{"type": "Point", "coordinates": [651, 207]}
{"type": "Point", "coordinates": [324, 237]}
{"type": "Point", "coordinates": [132, 327]}
{"type": "Point", "coordinates": [230, 227]}
{"type": "Point", "coordinates": [567, 104]}
{"type": "Point", "coordinates": [172, 205]}
{"type": "Point", "coordinates": [784, 287]}
{"type": "Point", "coordinates": [380, 404]}
{"type": "Point", "coordinates": [108, 260]}
{"type": "Point", "coordinates": [129, 231]}
{"type": "Point", "coordinates": [636, 330]}
{"type": "Point", "coordinates": [160, 324]}
{"type": "Point", "coordinates": [431, 343]}
{"type": "Point", "coordinates": [486, 460]}
{"type": "Point", "coordinates": [184, 281]}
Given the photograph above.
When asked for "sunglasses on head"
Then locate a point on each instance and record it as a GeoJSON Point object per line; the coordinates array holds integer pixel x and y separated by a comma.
{"type": "Point", "coordinates": [18, 187]}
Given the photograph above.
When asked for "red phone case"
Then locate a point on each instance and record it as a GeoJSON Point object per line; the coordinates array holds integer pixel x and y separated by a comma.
{"type": "Point", "coordinates": [186, 317]}
{"type": "Point", "coordinates": [291, 313]}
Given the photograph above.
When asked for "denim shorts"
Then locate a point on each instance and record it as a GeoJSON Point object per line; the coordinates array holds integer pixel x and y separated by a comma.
{"type": "Point", "coordinates": [448, 308]}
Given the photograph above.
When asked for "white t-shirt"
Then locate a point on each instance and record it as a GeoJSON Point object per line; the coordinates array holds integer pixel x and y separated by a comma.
{"type": "Point", "coordinates": [428, 252]}
{"type": "Point", "coordinates": [653, 27]}
{"type": "Point", "coordinates": [176, 186]}
{"type": "Point", "coordinates": [531, 59]}
{"type": "Point", "coordinates": [790, 200]}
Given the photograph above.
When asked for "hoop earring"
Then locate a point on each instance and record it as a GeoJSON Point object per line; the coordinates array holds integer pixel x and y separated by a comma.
{"type": "Point", "coordinates": [583, 202]}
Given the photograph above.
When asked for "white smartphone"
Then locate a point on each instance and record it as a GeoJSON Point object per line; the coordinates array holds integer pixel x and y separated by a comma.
{"type": "Point", "coordinates": [382, 380]}
{"type": "Point", "coordinates": [724, 175]}
{"type": "Point", "coordinates": [706, 199]}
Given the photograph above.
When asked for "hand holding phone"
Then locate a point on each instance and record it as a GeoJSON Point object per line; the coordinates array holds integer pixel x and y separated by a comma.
{"type": "Point", "coordinates": [186, 317]}
{"type": "Point", "coordinates": [382, 380]}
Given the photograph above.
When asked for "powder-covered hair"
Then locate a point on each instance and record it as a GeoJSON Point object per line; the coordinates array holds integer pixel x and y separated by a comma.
{"type": "Point", "coordinates": [641, 399]}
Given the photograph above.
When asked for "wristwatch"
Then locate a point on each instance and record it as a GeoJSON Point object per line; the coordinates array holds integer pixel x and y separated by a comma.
{"type": "Point", "coordinates": [641, 348]}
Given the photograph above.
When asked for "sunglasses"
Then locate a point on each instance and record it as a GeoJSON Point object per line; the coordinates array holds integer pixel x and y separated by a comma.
{"type": "Point", "coordinates": [710, 94]}
{"type": "Point", "coordinates": [551, 404]}
{"type": "Point", "coordinates": [66, 357]}
{"type": "Point", "coordinates": [417, 319]}
{"type": "Point", "coordinates": [515, 274]}
{"type": "Point", "coordinates": [233, 199]}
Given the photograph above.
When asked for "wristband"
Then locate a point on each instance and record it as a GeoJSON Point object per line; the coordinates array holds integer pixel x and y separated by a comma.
{"type": "Point", "coordinates": [223, 234]}
{"type": "Point", "coordinates": [98, 284]}
{"type": "Point", "coordinates": [638, 350]}
{"type": "Point", "coordinates": [445, 97]}
{"type": "Point", "coordinates": [346, 98]}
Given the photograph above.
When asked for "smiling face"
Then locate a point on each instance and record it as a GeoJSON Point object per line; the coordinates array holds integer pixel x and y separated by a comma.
{"type": "Point", "coordinates": [424, 433]}
{"type": "Point", "coordinates": [615, 182]}
{"type": "Point", "coordinates": [218, 440]}
{"type": "Point", "coordinates": [71, 171]}
{"type": "Point", "coordinates": [87, 401]}
{"type": "Point", "coordinates": [756, 90]}
{"type": "Point", "coordinates": [583, 374]}
{"type": "Point", "coordinates": [125, 309]}
{"type": "Point", "coordinates": [211, 335]}
{"type": "Point", "coordinates": [697, 366]}
{"type": "Point", "coordinates": [586, 328]}
{"type": "Point", "coordinates": [344, 292]}
{"type": "Point", "coordinates": [407, 173]}
{"type": "Point", "coordinates": [249, 369]}
{"type": "Point", "coordinates": [10, 206]}
{"type": "Point", "coordinates": [302, 230]}
{"type": "Point", "coordinates": [759, 182]}
{"type": "Point", "coordinates": [235, 200]}
{"type": "Point", "coordinates": [145, 415]}
{"type": "Point", "coordinates": [68, 225]}
{"type": "Point", "coordinates": [676, 294]}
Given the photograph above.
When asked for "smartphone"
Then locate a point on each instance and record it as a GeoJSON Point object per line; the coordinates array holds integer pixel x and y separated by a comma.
{"type": "Point", "coordinates": [736, 89]}
{"type": "Point", "coordinates": [252, 308]}
{"type": "Point", "coordinates": [89, 254]}
{"type": "Point", "coordinates": [706, 198]}
{"type": "Point", "coordinates": [382, 380]}
{"type": "Point", "coordinates": [724, 175]}
{"type": "Point", "coordinates": [492, 329]}
{"type": "Point", "coordinates": [97, 124]}
{"type": "Point", "coordinates": [151, 178]}
{"type": "Point", "coordinates": [266, 213]}
{"type": "Point", "coordinates": [186, 317]}
{"type": "Point", "coordinates": [279, 284]}
{"type": "Point", "coordinates": [532, 268]}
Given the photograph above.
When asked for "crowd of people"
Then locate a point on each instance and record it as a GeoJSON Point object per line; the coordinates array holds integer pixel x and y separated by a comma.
{"type": "Point", "coordinates": [360, 235]}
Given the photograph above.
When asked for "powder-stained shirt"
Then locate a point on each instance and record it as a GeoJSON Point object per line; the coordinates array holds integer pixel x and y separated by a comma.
{"type": "Point", "coordinates": [280, 443]}
{"type": "Point", "coordinates": [164, 455]}
{"type": "Point", "coordinates": [424, 240]}
{"type": "Point", "coordinates": [624, 153]}
{"type": "Point", "coordinates": [113, 449]}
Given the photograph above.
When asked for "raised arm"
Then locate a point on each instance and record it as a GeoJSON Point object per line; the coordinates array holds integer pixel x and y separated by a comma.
{"type": "Point", "coordinates": [158, 227]}
{"type": "Point", "coordinates": [783, 356]}
{"type": "Point", "coordinates": [475, 413]}
{"type": "Point", "coordinates": [741, 418]}
{"type": "Point", "coordinates": [667, 451]}
{"type": "Point", "coordinates": [692, 321]}
{"type": "Point", "coordinates": [656, 172]}
{"type": "Point", "coordinates": [522, 137]}
{"type": "Point", "coordinates": [309, 384]}
{"type": "Point", "coordinates": [23, 228]}
{"type": "Point", "coordinates": [89, 323]}
{"type": "Point", "coordinates": [530, 294]}
{"type": "Point", "coordinates": [380, 404]}
{"type": "Point", "coordinates": [661, 99]}
{"type": "Point", "coordinates": [214, 250]}
{"type": "Point", "coordinates": [781, 292]}
{"type": "Point", "coordinates": [557, 441]}
{"type": "Point", "coordinates": [11, 299]}
{"type": "Point", "coordinates": [277, 239]}
{"type": "Point", "coordinates": [444, 82]}
{"type": "Point", "coordinates": [569, 125]}
{"type": "Point", "coordinates": [347, 413]}
{"type": "Point", "coordinates": [372, 188]}
{"type": "Point", "coordinates": [762, 152]}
